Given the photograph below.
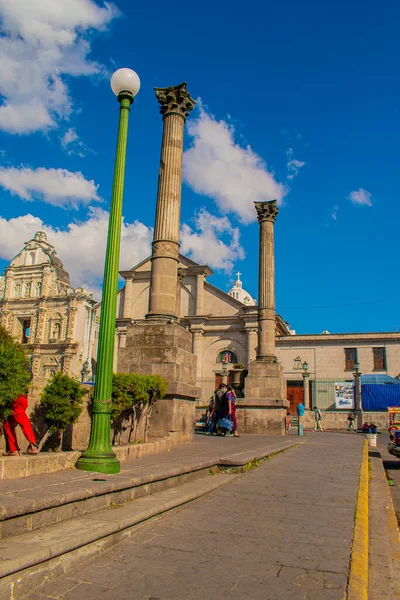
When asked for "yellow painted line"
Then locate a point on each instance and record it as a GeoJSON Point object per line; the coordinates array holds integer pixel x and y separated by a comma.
{"type": "Point", "coordinates": [357, 588]}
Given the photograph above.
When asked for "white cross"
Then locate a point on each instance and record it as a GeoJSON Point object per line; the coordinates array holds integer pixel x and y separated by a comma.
{"type": "Point", "coordinates": [238, 275]}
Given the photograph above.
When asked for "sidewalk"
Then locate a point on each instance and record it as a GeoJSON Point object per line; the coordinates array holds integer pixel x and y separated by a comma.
{"type": "Point", "coordinates": [282, 531]}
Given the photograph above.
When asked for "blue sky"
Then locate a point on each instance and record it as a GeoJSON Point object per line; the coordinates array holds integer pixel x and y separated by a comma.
{"type": "Point", "coordinates": [295, 101]}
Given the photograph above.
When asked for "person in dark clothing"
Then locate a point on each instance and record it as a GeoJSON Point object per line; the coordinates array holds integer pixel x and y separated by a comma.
{"type": "Point", "coordinates": [219, 408]}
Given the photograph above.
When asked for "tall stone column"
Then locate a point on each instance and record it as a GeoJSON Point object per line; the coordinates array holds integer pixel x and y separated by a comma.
{"type": "Point", "coordinates": [175, 104]}
{"type": "Point", "coordinates": [159, 345]}
{"type": "Point", "coordinates": [266, 215]}
{"type": "Point", "coordinates": [263, 409]}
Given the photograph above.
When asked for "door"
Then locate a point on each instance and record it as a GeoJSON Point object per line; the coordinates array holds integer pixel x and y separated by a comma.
{"type": "Point", "coordinates": [295, 395]}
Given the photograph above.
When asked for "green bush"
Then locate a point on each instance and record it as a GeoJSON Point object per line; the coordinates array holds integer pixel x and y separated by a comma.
{"type": "Point", "coordinates": [15, 375]}
{"type": "Point", "coordinates": [61, 401]}
{"type": "Point", "coordinates": [133, 399]}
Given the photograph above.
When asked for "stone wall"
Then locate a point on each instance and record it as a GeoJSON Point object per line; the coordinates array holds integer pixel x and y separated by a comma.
{"type": "Point", "coordinates": [336, 420]}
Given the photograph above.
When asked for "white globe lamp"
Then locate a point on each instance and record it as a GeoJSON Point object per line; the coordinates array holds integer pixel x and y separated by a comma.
{"type": "Point", "coordinates": [125, 80]}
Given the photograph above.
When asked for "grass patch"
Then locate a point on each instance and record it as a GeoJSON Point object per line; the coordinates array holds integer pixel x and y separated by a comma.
{"type": "Point", "coordinates": [252, 464]}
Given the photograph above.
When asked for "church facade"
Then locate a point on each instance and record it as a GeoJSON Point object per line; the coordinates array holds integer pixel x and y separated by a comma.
{"type": "Point", "coordinates": [223, 326]}
{"type": "Point", "coordinates": [39, 308]}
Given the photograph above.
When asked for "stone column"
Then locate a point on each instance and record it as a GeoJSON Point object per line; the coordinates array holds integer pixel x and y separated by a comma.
{"type": "Point", "coordinates": [306, 387]}
{"type": "Point", "coordinates": [180, 276]}
{"type": "Point", "coordinates": [198, 349]}
{"type": "Point", "coordinates": [128, 294]}
{"type": "Point", "coordinates": [9, 285]}
{"type": "Point", "coordinates": [266, 215]}
{"type": "Point", "coordinates": [72, 310]}
{"type": "Point", "coordinates": [200, 294]}
{"type": "Point", "coordinates": [175, 104]}
{"type": "Point", "coordinates": [40, 325]}
{"type": "Point", "coordinates": [251, 343]}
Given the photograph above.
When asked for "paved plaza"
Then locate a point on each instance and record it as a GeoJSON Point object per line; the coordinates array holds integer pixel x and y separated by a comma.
{"type": "Point", "coordinates": [282, 531]}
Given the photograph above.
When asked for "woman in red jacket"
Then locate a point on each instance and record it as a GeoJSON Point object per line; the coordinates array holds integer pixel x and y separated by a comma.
{"type": "Point", "coordinates": [19, 417]}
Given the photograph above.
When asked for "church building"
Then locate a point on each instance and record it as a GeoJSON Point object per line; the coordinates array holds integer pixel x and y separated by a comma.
{"type": "Point", "coordinates": [54, 321]}
{"type": "Point", "coordinates": [223, 326]}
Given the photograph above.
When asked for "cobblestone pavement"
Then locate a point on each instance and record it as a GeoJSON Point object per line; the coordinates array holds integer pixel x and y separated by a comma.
{"type": "Point", "coordinates": [282, 531]}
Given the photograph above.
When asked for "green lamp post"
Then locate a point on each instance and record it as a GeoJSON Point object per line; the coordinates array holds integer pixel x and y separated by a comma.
{"type": "Point", "coordinates": [99, 456]}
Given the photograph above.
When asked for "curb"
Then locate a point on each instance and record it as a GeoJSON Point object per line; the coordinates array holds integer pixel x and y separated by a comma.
{"type": "Point", "coordinates": [357, 588]}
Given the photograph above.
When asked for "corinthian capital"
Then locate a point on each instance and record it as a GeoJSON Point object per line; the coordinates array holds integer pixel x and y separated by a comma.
{"type": "Point", "coordinates": [175, 99]}
{"type": "Point", "coordinates": [266, 211]}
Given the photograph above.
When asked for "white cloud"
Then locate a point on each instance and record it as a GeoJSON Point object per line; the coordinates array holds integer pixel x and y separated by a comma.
{"type": "Point", "coordinates": [81, 246]}
{"type": "Point", "coordinates": [294, 167]}
{"type": "Point", "coordinates": [215, 166]}
{"type": "Point", "coordinates": [361, 197]}
{"type": "Point", "coordinates": [43, 43]}
{"type": "Point", "coordinates": [204, 245]}
{"type": "Point", "coordinates": [334, 212]}
{"type": "Point", "coordinates": [58, 187]}
{"type": "Point", "coordinates": [69, 137]}
{"type": "Point", "coordinates": [72, 144]}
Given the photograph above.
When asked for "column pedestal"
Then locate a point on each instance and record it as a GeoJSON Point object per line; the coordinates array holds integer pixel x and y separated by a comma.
{"type": "Point", "coordinates": [165, 348]}
{"type": "Point", "coordinates": [264, 407]}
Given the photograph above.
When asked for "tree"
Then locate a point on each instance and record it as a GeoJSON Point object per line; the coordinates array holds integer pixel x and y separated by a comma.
{"type": "Point", "coordinates": [15, 375]}
{"type": "Point", "coordinates": [61, 401]}
{"type": "Point", "coordinates": [134, 397]}
{"type": "Point", "coordinates": [122, 403]}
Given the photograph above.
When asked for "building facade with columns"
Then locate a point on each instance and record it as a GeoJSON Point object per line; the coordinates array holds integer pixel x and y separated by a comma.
{"type": "Point", "coordinates": [39, 308]}
{"type": "Point", "coordinates": [223, 326]}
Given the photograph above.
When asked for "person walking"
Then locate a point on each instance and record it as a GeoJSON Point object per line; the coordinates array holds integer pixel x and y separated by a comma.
{"type": "Point", "coordinates": [19, 417]}
{"type": "Point", "coordinates": [351, 419]}
{"type": "Point", "coordinates": [218, 409]}
{"type": "Point", "coordinates": [318, 419]}
{"type": "Point", "coordinates": [231, 408]}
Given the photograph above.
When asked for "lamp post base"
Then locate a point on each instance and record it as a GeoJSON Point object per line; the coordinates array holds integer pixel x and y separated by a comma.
{"type": "Point", "coordinates": [107, 463]}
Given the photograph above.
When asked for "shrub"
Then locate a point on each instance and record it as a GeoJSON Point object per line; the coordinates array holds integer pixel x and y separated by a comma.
{"type": "Point", "coordinates": [61, 401]}
{"type": "Point", "coordinates": [134, 397]}
{"type": "Point", "coordinates": [15, 375]}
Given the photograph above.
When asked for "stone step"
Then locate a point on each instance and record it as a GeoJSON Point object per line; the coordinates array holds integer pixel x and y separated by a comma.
{"type": "Point", "coordinates": [78, 495]}
{"type": "Point", "coordinates": [31, 503]}
{"type": "Point", "coordinates": [51, 462]}
{"type": "Point", "coordinates": [29, 559]}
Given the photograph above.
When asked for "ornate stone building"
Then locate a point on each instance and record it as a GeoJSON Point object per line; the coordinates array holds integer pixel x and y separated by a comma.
{"type": "Point", "coordinates": [40, 309]}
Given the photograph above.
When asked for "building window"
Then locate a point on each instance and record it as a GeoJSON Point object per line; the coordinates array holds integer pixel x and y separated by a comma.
{"type": "Point", "coordinates": [350, 357]}
{"type": "Point", "coordinates": [379, 359]}
{"type": "Point", "coordinates": [26, 331]}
